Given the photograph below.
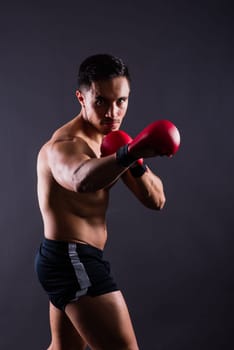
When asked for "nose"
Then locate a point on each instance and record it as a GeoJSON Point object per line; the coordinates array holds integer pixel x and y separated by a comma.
{"type": "Point", "coordinates": [111, 112]}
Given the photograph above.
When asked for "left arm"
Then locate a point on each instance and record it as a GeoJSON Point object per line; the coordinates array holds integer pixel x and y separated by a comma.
{"type": "Point", "coordinates": [157, 139]}
{"type": "Point", "coordinates": [148, 189]}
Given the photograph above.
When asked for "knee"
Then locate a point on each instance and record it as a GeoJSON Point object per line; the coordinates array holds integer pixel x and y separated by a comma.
{"type": "Point", "coordinates": [124, 346]}
{"type": "Point", "coordinates": [66, 346]}
{"type": "Point", "coordinates": [132, 347]}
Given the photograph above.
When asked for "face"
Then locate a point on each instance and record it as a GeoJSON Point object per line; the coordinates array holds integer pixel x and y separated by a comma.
{"type": "Point", "coordinates": [105, 104]}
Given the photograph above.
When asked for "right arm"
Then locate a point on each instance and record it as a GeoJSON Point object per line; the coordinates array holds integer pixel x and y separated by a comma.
{"type": "Point", "coordinates": [74, 168]}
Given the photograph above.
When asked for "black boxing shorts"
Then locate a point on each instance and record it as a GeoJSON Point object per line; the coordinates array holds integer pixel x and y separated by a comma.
{"type": "Point", "coordinates": [68, 271]}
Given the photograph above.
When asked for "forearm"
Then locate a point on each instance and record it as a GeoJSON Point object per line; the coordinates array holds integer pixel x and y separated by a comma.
{"type": "Point", "coordinates": [97, 173]}
{"type": "Point", "coordinates": [148, 188]}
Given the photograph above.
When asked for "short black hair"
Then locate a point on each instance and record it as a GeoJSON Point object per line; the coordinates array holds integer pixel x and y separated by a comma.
{"type": "Point", "coordinates": [101, 67]}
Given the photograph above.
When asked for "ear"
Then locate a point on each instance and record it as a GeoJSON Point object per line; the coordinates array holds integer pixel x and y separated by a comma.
{"type": "Point", "coordinates": [80, 98]}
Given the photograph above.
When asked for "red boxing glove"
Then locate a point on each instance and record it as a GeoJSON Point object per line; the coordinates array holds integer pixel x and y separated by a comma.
{"type": "Point", "coordinates": [115, 140]}
{"type": "Point", "coordinates": [157, 139]}
{"type": "Point", "coordinates": [160, 138]}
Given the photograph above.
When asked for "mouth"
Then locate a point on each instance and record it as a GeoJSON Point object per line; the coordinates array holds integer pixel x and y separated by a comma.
{"type": "Point", "coordinates": [110, 126]}
{"type": "Point", "coordinates": [111, 123]}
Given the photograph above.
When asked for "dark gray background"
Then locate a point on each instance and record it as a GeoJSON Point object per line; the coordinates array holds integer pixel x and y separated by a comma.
{"type": "Point", "coordinates": [175, 267]}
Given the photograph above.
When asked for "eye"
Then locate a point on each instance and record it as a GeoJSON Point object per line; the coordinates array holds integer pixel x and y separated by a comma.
{"type": "Point", "coordinates": [121, 101]}
{"type": "Point", "coordinates": [99, 101]}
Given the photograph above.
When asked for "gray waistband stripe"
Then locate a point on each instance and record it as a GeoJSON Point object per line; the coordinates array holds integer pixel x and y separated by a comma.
{"type": "Point", "coordinates": [81, 274]}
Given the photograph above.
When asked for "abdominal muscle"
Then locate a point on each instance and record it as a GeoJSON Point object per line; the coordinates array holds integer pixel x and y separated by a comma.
{"type": "Point", "coordinates": [73, 217]}
{"type": "Point", "coordinates": [75, 229]}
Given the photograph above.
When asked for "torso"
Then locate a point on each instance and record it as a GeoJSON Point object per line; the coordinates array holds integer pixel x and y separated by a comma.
{"type": "Point", "coordinates": [67, 215]}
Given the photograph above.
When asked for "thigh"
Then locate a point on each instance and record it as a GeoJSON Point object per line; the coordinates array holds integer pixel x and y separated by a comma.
{"type": "Point", "coordinates": [103, 321]}
{"type": "Point", "coordinates": [64, 335]}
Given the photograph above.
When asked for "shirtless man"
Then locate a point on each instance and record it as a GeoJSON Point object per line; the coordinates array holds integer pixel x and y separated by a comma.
{"type": "Point", "coordinates": [86, 306]}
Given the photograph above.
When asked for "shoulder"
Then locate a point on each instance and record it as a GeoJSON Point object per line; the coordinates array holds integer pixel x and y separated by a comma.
{"type": "Point", "coordinates": [42, 157]}
{"type": "Point", "coordinates": [67, 143]}
{"type": "Point", "coordinates": [59, 143]}
{"type": "Point", "coordinates": [65, 149]}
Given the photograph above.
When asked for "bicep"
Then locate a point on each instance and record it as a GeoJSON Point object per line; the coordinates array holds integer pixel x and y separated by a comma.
{"type": "Point", "coordinates": [64, 158]}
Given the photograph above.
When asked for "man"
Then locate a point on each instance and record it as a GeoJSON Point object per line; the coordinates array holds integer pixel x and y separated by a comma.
{"type": "Point", "coordinates": [74, 178]}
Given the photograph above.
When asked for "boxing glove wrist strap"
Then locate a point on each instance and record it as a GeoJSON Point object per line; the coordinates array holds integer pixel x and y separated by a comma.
{"type": "Point", "coordinates": [138, 170]}
{"type": "Point", "coordinates": [123, 157]}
